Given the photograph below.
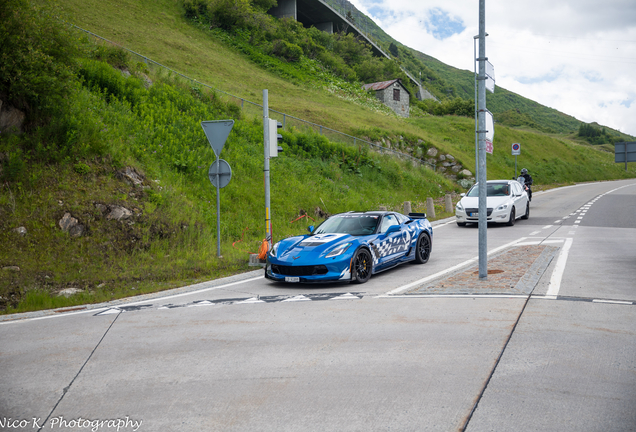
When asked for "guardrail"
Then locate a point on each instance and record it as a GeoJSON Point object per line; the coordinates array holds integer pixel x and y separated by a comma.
{"type": "Point", "coordinates": [255, 109]}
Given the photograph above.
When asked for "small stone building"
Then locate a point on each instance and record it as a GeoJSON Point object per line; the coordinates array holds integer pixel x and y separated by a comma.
{"type": "Point", "coordinates": [393, 94]}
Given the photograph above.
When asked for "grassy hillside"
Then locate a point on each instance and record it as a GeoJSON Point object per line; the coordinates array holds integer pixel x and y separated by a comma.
{"type": "Point", "coordinates": [123, 114]}
{"type": "Point", "coordinates": [445, 81]}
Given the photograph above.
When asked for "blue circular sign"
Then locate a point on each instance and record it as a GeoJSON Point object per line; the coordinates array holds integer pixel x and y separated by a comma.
{"type": "Point", "coordinates": [515, 146]}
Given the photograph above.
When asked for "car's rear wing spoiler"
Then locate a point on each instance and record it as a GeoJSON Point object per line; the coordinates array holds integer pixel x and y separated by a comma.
{"type": "Point", "coordinates": [417, 215]}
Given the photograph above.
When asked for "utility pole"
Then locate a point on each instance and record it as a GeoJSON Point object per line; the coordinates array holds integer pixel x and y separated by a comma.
{"type": "Point", "coordinates": [482, 177]}
{"type": "Point", "coordinates": [268, 221]}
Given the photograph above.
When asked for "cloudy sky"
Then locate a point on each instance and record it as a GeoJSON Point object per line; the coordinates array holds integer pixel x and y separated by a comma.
{"type": "Point", "coordinates": [577, 56]}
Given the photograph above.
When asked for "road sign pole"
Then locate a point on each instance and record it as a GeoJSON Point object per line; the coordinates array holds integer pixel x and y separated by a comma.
{"type": "Point", "coordinates": [217, 131]}
{"type": "Point", "coordinates": [218, 208]}
{"type": "Point", "coordinates": [482, 177]}
{"type": "Point", "coordinates": [515, 166]}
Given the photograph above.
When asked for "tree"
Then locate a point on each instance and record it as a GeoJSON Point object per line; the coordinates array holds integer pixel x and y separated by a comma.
{"type": "Point", "coordinates": [393, 49]}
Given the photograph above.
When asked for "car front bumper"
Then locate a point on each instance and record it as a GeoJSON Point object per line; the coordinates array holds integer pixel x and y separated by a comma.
{"type": "Point", "coordinates": [495, 215]}
{"type": "Point", "coordinates": [333, 271]}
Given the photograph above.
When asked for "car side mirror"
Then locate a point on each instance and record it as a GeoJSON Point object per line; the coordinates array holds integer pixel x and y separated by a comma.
{"type": "Point", "coordinates": [463, 194]}
{"type": "Point", "coordinates": [392, 229]}
{"type": "Point", "coordinates": [310, 228]}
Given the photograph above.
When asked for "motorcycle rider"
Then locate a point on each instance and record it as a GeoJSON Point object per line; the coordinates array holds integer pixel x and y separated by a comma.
{"type": "Point", "coordinates": [527, 182]}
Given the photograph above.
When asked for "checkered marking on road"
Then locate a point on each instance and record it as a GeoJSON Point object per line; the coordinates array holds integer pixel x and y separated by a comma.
{"type": "Point", "coordinates": [236, 301]}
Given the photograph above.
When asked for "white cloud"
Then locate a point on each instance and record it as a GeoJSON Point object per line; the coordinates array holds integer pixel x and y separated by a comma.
{"type": "Point", "coordinates": [577, 56]}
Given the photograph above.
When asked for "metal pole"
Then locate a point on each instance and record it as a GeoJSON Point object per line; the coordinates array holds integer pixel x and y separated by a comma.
{"type": "Point", "coordinates": [483, 221]}
{"type": "Point", "coordinates": [626, 156]}
{"type": "Point", "coordinates": [218, 208]}
{"type": "Point", "coordinates": [476, 108]}
{"type": "Point", "coordinates": [268, 222]}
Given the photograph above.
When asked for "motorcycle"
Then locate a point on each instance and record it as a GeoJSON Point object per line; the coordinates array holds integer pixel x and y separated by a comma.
{"type": "Point", "coordinates": [525, 186]}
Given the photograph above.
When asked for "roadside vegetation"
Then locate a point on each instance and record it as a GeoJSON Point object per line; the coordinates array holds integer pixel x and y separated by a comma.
{"type": "Point", "coordinates": [94, 112]}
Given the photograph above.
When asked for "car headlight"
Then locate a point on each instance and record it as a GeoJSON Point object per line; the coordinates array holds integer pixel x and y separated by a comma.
{"type": "Point", "coordinates": [339, 250]}
{"type": "Point", "coordinates": [502, 207]}
{"type": "Point", "coordinates": [459, 206]}
{"type": "Point", "coordinates": [274, 250]}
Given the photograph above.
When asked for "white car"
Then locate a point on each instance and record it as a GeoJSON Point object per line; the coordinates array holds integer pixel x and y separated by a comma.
{"type": "Point", "coordinates": [506, 202]}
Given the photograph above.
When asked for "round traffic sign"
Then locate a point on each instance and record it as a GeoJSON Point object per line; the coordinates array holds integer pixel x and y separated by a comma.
{"type": "Point", "coordinates": [516, 148]}
{"type": "Point", "coordinates": [220, 173]}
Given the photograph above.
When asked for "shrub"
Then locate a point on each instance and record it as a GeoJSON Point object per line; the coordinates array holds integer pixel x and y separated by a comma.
{"type": "Point", "coordinates": [36, 60]}
{"type": "Point", "coordinates": [101, 76]}
{"type": "Point", "coordinates": [286, 50]}
{"type": "Point", "coordinates": [81, 168]}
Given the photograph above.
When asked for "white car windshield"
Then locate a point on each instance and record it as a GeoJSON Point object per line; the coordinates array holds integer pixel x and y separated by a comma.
{"type": "Point", "coordinates": [355, 225]}
{"type": "Point", "coordinates": [492, 190]}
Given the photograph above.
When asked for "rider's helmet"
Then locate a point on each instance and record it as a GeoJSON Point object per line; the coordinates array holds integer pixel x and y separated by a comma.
{"type": "Point", "coordinates": [524, 171]}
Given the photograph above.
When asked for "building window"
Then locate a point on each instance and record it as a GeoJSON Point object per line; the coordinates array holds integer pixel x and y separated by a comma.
{"type": "Point", "coordinates": [396, 95]}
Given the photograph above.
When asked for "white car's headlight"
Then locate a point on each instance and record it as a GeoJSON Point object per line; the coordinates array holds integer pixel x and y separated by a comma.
{"type": "Point", "coordinates": [502, 207]}
{"type": "Point", "coordinates": [459, 206]}
{"type": "Point", "coordinates": [339, 250]}
{"type": "Point", "coordinates": [274, 250]}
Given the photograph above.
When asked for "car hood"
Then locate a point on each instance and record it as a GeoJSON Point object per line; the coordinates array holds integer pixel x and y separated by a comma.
{"type": "Point", "coordinates": [296, 249]}
{"type": "Point", "coordinates": [491, 202]}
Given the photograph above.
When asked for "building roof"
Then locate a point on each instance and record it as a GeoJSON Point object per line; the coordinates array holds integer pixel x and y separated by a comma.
{"type": "Point", "coordinates": [384, 84]}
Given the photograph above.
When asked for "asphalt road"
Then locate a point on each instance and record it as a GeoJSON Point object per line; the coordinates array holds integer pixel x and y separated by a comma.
{"type": "Point", "coordinates": [246, 354]}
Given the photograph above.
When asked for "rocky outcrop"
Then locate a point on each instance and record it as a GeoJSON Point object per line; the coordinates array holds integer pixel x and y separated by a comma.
{"type": "Point", "coordinates": [71, 225]}
{"type": "Point", "coordinates": [11, 119]}
{"type": "Point", "coordinates": [131, 176]}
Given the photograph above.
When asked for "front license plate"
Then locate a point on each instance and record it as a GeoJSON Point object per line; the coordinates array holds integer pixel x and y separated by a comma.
{"type": "Point", "coordinates": [292, 279]}
{"type": "Point", "coordinates": [475, 214]}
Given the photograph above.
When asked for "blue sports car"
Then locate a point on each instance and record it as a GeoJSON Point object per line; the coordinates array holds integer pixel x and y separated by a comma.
{"type": "Point", "coordinates": [351, 247]}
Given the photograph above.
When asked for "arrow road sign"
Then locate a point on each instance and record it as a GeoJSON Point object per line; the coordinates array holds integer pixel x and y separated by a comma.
{"type": "Point", "coordinates": [217, 132]}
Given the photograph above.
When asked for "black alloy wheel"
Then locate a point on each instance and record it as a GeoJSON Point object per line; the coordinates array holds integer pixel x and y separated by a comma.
{"type": "Point", "coordinates": [527, 214]}
{"type": "Point", "coordinates": [361, 266]}
{"type": "Point", "coordinates": [511, 222]}
{"type": "Point", "coordinates": [423, 249]}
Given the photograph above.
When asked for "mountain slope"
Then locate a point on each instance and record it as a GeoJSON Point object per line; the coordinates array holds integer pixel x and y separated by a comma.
{"type": "Point", "coordinates": [445, 81]}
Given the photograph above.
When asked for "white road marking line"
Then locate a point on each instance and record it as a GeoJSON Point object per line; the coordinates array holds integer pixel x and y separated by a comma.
{"type": "Point", "coordinates": [557, 274]}
{"type": "Point", "coordinates": [486, 296]}
{"type": "Point", "coordinates": [297, 299]}
{"type": "Point", "coordinates": [347, 296]}
{"type": "Point", "coordinates": [577, 221]}
{"type": "Point", "coordinates": [534, 233]}
{"type": "Point", "coordinates": [613, 302]}
{"type": "Point", "coordinates": [444, 224]}
{"type": "Point", "coordinates": [251, 300]}
{"type": "Point", "coordinates": [547, 226]}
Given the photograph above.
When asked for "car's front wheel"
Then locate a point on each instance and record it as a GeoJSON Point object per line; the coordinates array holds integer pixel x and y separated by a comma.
{"type": "Point", "coordinates": [361, 266]}
{"type": "Point", "coordinates": [423, 249]}
{"type": "Point", "coordinates": [511, 221]}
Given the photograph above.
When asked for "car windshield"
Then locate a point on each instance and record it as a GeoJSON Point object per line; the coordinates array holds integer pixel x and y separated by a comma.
{"type": "Point", "coordinates": [355, 225]}
{"type": "Point", "coordinates": [492, 190]}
